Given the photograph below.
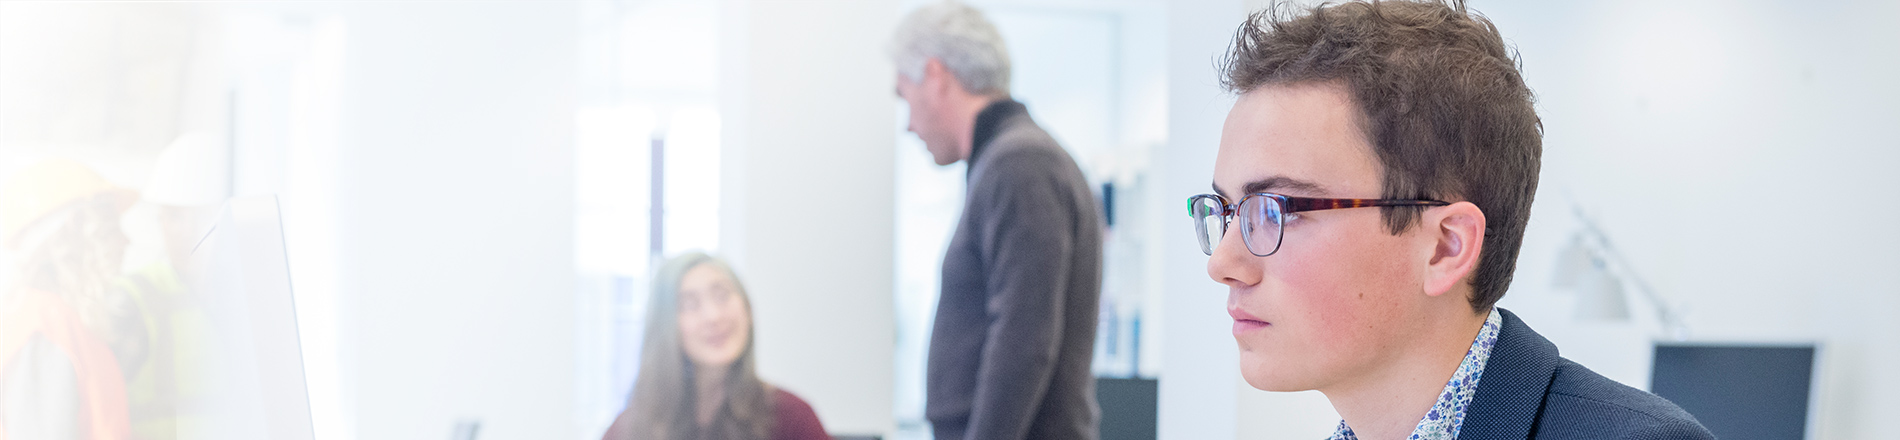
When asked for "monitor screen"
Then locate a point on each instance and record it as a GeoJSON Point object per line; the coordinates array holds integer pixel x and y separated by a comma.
{"type": "Point", "coordinates": [1738, 391]}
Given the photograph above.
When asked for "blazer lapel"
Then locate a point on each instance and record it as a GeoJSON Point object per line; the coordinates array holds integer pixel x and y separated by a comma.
{"type": "Point", "coordinates": [1511, 390]}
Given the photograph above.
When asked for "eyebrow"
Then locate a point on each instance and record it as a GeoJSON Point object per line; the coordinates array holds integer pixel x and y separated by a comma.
{"type": "Point", "coordinates": [1276, 184]}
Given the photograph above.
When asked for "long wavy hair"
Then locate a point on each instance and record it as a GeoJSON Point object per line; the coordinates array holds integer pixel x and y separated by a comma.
{"type": "Point", "coordinates": [664, 402]}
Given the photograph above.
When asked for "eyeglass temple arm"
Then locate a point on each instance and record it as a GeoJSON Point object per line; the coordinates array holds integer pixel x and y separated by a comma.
{"type": "Point", "coordinates": [1298, 204]}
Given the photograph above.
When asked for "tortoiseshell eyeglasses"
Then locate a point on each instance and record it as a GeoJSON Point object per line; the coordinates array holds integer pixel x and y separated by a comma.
{"type": "Point", "coordinates": [1262, 216]}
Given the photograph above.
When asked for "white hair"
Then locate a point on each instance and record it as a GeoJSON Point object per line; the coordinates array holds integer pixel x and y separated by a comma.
{"type": "Point", "coordinates": [958, 36]}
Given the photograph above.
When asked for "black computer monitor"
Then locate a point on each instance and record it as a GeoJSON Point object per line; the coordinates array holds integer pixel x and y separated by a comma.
{"type": "Point", "coordinates": [1739, 391]}
{"type": "Point", "coordinates": [1129, 408]}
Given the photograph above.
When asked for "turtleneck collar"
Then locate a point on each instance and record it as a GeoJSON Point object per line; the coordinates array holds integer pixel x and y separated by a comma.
{"type": "Point", "coordinates": [989, 123]}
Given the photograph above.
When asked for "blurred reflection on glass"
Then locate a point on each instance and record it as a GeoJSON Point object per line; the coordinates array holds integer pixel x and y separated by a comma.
{"type": "Point", "coordinates": [160, 318]}
{"type": "Point", "coordinates": [176, 208]}
{"type": "Point", "coordinates": [697, 377]}
{"type": "Point", "coordinates": [70, 333]}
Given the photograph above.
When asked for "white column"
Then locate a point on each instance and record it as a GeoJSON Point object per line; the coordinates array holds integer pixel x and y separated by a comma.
{"type": "Point", "coordinates": [806, 104]}
{"type": "Point", "coordinates": [455, 219]}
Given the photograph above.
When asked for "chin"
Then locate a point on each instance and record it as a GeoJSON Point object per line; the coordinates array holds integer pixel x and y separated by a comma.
{"type": "Point", "coordinates": [1266, 375]}
{"type": "Point", "coordinates": [939, 153]}
{"type": "Point", "coordinates": [942, 158]}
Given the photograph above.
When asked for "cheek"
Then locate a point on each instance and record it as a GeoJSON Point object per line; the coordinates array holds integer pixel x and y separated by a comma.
{"type": "Point", "coordinates": [699, 324]}
{"type": "Point", "coordinates": [689, 337]}
{"type": "Point", "coordinates": [741, 331]}
{"type": "Point", "coordinates": [1349, 274]}
{"type": "Point", "coordinates": [741, 327]}
{"type": "Point", "coordinates": [926, 127]}
{"type": "Point", "coordinates": [1331, 304]}
{"type": "Point", "coordinates": [1322, 301]}
{"type": "Point", "coordinates": [918, 108]}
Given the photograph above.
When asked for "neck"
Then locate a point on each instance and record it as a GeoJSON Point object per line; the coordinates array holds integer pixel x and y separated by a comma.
{"type": "Point", "coordinates": [709, 392]}
{"type": "Point", "coordinates": [967, 106]}
{"type": "Point", "coordinates": [1389, 402]}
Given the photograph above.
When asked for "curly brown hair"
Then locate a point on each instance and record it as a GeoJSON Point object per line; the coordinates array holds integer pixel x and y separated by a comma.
{"type": "Point", "coordinates": [1440, 98]}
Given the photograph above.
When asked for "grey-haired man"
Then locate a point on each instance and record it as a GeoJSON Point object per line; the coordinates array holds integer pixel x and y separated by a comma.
{"type": "Point", "coordinates": [1015, 327]}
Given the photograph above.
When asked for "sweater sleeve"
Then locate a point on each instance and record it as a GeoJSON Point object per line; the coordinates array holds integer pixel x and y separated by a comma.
{"type": "Point", "coordinates": [1027, 239]}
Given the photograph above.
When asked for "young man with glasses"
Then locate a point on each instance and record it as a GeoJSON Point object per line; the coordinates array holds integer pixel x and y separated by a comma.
{"type": "Point", "coordinates": [1416, 109]}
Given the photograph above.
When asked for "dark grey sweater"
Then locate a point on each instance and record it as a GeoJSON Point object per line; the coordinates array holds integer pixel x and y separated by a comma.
{"type": "Point", "coordinates": [1015, 328]}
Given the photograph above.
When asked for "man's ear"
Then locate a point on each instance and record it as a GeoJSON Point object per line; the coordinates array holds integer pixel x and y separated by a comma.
{"type": "Point", "coordinates": [936, 76]}
{"type": "Point", "coordinates": [1458, 230]}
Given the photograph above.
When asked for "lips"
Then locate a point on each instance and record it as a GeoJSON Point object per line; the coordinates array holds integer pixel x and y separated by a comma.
{"type": "Point", "coordinates": [1245, 322]}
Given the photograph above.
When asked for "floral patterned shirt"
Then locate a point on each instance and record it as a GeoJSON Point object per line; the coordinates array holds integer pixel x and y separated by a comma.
{"type": "Point", "coordinates": [1446, 416]}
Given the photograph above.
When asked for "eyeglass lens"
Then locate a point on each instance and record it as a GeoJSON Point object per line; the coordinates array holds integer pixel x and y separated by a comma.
{"type": "Point", "coordinates": [1208, 223]}
{"type": "Point", "coordinates": [1259, 218]}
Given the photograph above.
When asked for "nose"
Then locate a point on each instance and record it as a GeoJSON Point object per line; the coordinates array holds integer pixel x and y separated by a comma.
{"type": "Point", "coordinates": [1232, 264]}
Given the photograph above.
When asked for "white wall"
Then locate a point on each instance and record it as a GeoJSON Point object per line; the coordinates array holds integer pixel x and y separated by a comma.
{"type": "Point", "coordinates": [455, 219]}
{"type": "Point", "coordinates": [806, 98]}
{"type": "Point", "coordinates": [1737, 152]}
{"type": "Point", "coordinates": [1730, 149]}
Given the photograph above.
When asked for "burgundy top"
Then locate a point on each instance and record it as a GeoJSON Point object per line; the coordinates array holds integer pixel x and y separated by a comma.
{"type": "Point", "coordinates": [793, 419]}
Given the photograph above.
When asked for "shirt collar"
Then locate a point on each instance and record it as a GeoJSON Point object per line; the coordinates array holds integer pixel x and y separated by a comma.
{"type": "Point", "coordinates": [1448, 414]}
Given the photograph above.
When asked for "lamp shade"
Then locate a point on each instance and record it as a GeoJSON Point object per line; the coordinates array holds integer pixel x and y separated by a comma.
{"type": "Point", "coordinates": [1573, 263]}
{"type": "Point", "coordinates": [1600, 296]}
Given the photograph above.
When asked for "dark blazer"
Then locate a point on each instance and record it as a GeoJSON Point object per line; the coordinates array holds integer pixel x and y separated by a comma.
{"type": "Point", "coordinates": [1015, 328]}
{"type": "Point", "coordinates": [1527, 391]}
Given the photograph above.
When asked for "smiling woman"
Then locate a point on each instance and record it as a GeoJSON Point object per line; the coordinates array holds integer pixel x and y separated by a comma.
{"type": "Point", "coordinates": [698, 378]}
